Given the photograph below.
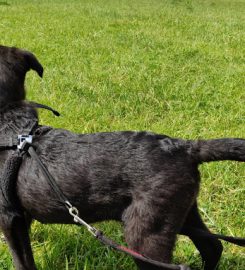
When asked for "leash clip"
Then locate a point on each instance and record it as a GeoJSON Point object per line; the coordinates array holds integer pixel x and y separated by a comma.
{"type": "Point", "coordinates": [24, 141]}
{"type": "Point", "coordinates": [73, 211]}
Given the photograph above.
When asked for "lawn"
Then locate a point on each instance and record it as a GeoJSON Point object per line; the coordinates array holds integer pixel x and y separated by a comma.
{"type": "Point", "coordinates": [175, 67]}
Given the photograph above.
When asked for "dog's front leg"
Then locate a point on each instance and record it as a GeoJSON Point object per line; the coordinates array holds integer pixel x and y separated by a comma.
{"type": "Point", "coordinates": [15, 230]}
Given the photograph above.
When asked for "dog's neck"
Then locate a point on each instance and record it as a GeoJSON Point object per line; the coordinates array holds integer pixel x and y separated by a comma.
{"type": "Point", "coordinates": [16, 117]}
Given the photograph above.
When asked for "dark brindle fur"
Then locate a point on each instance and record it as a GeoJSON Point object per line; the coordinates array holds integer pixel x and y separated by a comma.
{"type": "Point", "coordinates": [150, 182]}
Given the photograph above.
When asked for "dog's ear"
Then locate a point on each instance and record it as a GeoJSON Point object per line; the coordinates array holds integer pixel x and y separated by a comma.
{"type": "Point", "coordinates": [33, 63]}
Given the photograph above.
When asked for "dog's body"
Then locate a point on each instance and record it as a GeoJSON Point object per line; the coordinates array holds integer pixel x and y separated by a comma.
{"type": "Point", "coordinates": [148, 181]}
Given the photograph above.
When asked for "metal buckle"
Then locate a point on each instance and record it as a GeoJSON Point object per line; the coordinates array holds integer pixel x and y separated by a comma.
{"type": "Point", "coordinates": [23, 140]}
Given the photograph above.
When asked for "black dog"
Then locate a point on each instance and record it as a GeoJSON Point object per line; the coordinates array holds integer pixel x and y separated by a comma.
{"type": "Point", "coordinates": [148, 181]}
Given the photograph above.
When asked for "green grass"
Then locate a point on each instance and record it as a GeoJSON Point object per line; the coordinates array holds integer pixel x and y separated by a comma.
{"type": "Point", "coordinates": [172, 67]}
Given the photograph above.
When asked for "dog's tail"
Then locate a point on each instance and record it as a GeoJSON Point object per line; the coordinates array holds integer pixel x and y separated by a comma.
{"type": "Point", "coordinates": [218, 149]}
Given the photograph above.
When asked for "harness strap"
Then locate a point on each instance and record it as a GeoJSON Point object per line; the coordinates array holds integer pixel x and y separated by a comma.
{"type": "Point", "coordinates": [8, 179]}
{"type": "Point", "coordinates": [8, 143]}
{"type": "Point", "coordinates": [15, 142]}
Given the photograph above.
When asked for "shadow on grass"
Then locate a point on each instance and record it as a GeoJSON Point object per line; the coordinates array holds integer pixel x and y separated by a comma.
{"type": "Point", "coordinates": [4, 3]}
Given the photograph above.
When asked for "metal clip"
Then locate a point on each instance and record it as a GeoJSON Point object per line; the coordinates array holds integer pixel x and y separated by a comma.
{"type": "Point", "coordinates": [24, 140]}
{"type": "Point", "coordinates": [73, 211]}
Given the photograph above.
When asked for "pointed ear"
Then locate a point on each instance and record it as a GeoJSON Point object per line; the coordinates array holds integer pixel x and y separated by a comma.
{"type": "Point", "coordinates": [33, 63]}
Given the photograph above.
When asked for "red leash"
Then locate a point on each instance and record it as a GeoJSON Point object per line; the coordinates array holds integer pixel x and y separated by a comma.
{"type": "Point", "coordinates": [108, 242]}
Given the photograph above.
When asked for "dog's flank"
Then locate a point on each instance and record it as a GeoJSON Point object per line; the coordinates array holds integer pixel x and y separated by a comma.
{"type": "Point", "coordinates": [148, 181]}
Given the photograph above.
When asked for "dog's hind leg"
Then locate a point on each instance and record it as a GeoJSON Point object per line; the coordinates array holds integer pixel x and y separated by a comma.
{"type": "Point", "coordinates": [210, 249]}
{"type": "Point", "coordinates": [151, 229]}
{"type": "Point", "coordinates": [15, 229]}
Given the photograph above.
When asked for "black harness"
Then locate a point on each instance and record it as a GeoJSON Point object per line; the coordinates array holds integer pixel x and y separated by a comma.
{"type": "Point", "coordinates": [22, 145]}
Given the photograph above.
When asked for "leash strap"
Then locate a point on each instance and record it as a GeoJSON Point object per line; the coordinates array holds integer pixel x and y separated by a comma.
{"type": "Point", "coordinates": [108, 242]}
{"type": "Point", "coordinates": [49, 177]}
{"type": "Point", "coordinates": [192, 231]}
